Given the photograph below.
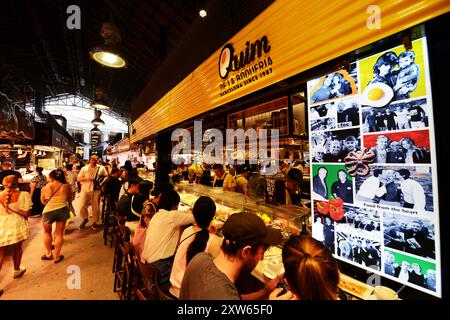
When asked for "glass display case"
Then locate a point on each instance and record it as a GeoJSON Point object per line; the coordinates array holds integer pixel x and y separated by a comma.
{"type": "Point", "coordinates": [288, 219]}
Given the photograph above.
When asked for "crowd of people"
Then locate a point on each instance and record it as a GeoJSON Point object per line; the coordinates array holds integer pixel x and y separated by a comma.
{"type": "Point", "coordinates": [180, 244]}
{"type": "Point", "coordinates": [50, 197]}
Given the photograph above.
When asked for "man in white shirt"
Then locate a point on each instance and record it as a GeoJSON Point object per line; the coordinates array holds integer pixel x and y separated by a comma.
{"type": "Point", "coordinates": [371, 187]}
{"type": "Point", "coordinates": [163, 233]}
{"type": "Point", "coordinates": [413, 193]}
{"type": "Point", "coordinates": [88, 194]}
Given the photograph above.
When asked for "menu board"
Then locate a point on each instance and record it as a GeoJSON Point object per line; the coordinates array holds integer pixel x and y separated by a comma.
{"type": "Point", "coordinates": [373, 166]}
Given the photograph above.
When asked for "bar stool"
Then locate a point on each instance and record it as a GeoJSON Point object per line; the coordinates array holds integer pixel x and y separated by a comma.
{"type": "Point", "coordinates": [128, 288]}
{"type": "Point", "coordinates": [148, 277]}
{"type": "Point", "coordinates": [121, 236]}
{"type": "Point", "coordinates": [110, 222]}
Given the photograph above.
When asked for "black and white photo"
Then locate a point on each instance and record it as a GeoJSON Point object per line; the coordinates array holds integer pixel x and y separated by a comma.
{"type": "Point", "coordinates": [409, 234]}
{"type": "Point", "coordinates": [362, 221]}
{"type": "Point", "coordinates": [323, 124]}
{"type": "Point", "coordinates": [412, 114]}
{"type": "Point", "coordinates": [340, 143]}
{"type": "Point", "coordinates": [323, 230]}
{"type": "Point", "coordinates": [360, 250]}
{"type": "Point", "coordinates": [347, 113]}
{"type": "Point", "coordinates": [407, 187]}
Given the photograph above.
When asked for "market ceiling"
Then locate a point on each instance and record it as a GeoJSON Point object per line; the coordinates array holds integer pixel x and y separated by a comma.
{"type": "Point", "coordinates": [39, 53]}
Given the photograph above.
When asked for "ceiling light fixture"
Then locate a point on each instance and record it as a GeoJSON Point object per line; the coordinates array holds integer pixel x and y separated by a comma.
{"type": "Point", "coordinates": [109, 54]}
{"type": "Point", "coordinates": [100, 102]}
{"type": "Point", "coordinates": [97, 121]}
{"type": "Point", "coordinates": [202, 13]}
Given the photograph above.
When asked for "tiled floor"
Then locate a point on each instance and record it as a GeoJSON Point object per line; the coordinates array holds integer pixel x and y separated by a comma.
{"type": "Point", "coordinates": [85, 255]}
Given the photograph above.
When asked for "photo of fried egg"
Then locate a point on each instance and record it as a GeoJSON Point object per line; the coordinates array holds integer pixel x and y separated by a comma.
{"type": "Point", "coordinates": [376, 95]}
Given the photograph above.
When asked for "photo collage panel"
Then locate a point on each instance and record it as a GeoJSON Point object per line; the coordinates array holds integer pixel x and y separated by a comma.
{"type": "Point", "coordinates": [378, 120]}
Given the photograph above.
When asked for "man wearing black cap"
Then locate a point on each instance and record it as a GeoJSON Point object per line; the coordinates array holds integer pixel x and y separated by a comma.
{"type": "Point", "coordinates": [246, 238]}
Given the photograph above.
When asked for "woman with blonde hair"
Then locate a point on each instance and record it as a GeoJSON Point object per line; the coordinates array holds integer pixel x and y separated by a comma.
{"type": "Point", "coordinates": [311, 272]}
{"type": "Point", "coordinates": [15, 207]}
{"type": "Point", "coordinates": [57, 196]}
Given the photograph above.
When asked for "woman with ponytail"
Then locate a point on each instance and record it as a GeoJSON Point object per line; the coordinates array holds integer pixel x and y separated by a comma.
{"type": "Point", "coordinates": [57, 197]}
{"type": "Point", "coordinates": [311, 272]}
{"type": "Point", "coordinates": [15, 207]}
{"type": "Point", "coordinates": [194, 239]}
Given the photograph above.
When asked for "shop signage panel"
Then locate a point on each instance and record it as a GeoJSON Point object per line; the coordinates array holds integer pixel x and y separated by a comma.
{"type": "Point", "coordinates": [373, 165]}
{"type": "Point", "coordinates": [293, 36]}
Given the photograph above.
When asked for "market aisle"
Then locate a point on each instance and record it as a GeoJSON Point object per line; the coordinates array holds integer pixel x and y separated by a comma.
{"type": "Point", "coordinates": [45, 280]}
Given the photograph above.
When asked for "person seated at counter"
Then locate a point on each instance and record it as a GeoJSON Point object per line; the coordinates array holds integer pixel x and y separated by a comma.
{"type": "Point", "coordinates": [124, 204]}
{"type": "Point", "coordinates": [246, 238]}
{"type": "Point", "coordinates": [113, 185]}
{"type": "Point", "coordinates": [194, 239]}
{"type": "Point", "coordinates": [294, 179]}
{"type": "Point", "coordinates": [151, 206]}
{"type": "Point", "coordinates": [138, 199]}
{"type": "Point", "coordinates": [162, 235]}
{"type": "Point", "coordinates": [223, 179]}
{"type": "Point", "coordinates": [244, 174]}
{"type": "Point", "coordinates": [124, 179]}
{"type": "Point", "coordinates": [7, 171]}
{"type": "Point", "coordinates": [311, 272]}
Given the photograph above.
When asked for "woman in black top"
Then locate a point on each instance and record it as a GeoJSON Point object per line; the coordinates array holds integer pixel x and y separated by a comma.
{"type": "Point", "coordinates": [37, 183]}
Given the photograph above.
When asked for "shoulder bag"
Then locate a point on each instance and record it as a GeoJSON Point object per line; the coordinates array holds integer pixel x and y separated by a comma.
{"type": "Point", "coordinates": [98, 181]}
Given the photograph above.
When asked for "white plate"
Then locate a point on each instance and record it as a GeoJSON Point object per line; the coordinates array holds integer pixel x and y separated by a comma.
{"type": "Point", "coordinates": [388, 95]}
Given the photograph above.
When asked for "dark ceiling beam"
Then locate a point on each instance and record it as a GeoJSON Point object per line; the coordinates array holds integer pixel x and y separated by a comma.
{"type": "Point", "coordinates": [43, 42]}
{"type": "Point", "coordinates": [126, 23]}
{"type": "Point", "coordinates": [180, 14]}
{"type": "Point", "coordinates": [163, 16]}
{"type": "Point", "coordinates": [70, 48]}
